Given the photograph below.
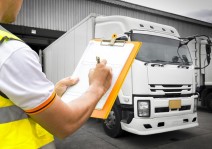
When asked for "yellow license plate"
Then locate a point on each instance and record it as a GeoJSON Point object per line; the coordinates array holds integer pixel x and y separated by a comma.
{"type": "Point", "coordinates": [174, 104]}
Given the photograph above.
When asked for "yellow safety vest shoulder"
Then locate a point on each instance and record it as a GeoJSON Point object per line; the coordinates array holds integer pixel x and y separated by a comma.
{"type": "Point", "coordinates": [18, 130]}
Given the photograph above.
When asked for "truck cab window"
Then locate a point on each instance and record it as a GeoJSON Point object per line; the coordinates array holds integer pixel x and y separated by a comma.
{"type": "Point", "coordinates": [163, 50]}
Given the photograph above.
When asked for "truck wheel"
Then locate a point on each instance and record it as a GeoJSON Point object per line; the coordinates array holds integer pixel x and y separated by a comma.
{"type": "Point", "coordinates": [112, 125]}
{"type": "Point", "coordinates": [209, 101]}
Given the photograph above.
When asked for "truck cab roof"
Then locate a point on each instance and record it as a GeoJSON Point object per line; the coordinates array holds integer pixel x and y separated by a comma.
{"type": "Point", "coordinates": [121, 24]}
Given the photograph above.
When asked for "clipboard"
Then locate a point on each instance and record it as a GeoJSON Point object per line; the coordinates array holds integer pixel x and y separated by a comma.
{"type": "Point", "coordinates": [110, 48]}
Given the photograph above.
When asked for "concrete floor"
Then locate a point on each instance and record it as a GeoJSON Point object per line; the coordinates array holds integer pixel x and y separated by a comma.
{"type": "Point", "coordinates": [92, 136]}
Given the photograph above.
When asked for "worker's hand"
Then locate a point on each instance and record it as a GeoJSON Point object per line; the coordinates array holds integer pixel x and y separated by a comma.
{"type": "Point", "coordinates": [101, 77]}
{"type": "Point", "coordinates": [63, 84]}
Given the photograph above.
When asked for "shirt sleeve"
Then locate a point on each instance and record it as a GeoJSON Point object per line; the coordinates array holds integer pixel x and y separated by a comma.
{"type": "Point", "coordinates": [23, 81]}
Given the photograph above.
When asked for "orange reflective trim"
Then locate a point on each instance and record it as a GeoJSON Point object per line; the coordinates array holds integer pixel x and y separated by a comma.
{"type": "Point", "coordinates": [43, 106]}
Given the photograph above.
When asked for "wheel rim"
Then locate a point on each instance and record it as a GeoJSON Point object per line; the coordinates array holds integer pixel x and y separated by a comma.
{"type": "Point", "coordinates": [110, 122]}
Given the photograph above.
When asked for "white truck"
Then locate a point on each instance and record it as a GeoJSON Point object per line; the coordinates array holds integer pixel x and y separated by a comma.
{"type": "Point", "coordinates": [158, 94]}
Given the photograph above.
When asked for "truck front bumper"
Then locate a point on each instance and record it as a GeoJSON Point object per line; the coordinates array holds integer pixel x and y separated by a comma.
{"type": "Point", "coordinates": [158, 125]}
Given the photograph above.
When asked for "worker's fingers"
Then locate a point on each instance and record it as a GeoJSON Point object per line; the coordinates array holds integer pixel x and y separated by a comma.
{"type": "Point", "coordinates": [69, 81]}
{"type": "Point", "coordinates": [63, 84]}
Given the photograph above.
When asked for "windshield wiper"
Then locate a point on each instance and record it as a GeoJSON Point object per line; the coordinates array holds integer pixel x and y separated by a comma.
{"type": "Point", "coordinates": [159, 63]}
{"type": "Point", "coordinates": [183, 66]}
{"type": "Point", "coordinates": [171, 62]}
{"type": "Point", "coordinates": [157, 60]}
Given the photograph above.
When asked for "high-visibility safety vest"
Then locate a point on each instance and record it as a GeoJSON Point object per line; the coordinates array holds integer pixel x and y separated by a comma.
{"type": "Point", "coordinates": [17, 129]}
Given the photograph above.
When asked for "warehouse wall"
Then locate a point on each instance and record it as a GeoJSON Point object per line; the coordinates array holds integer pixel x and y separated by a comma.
{"type": "Point", "coordinates": [63, 14]}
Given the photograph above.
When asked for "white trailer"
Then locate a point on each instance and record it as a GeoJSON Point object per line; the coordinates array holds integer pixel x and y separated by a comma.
{"type": "Point", "coordinates": [158, 94]}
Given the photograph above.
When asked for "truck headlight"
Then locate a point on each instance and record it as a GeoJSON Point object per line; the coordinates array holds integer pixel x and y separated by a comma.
{"type": "Point", "coordinates": [143, 108]}
{"type": "Point", "coordinates": [195, 104]}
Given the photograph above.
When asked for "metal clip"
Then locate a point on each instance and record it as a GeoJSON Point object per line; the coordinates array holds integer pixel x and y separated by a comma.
{"type": "Point", "coordinates": [113, 42]}
{"type": "Point", "coordinates": [113, 39]}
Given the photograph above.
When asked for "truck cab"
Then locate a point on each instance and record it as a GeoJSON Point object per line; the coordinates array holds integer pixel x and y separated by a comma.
{"type": "Point", "coordinates": [158, 94]}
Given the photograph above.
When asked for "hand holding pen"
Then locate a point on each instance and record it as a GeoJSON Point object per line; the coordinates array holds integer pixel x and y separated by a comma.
{"type": "Point", "coordinates": [101, 75]}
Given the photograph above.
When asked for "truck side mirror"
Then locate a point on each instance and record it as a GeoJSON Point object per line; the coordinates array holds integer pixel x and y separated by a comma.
{"type": "Point", "coordinates": [185, 59]}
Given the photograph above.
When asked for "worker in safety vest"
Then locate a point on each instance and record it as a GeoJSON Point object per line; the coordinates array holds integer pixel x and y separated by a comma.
{"type": "Point", "coordinates": [31, 110]}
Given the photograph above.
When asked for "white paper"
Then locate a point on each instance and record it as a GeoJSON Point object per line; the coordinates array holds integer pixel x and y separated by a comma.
{"type": "Point", "coordinates": [116, 57]}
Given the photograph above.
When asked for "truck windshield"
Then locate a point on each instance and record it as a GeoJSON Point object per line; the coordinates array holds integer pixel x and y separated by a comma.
{"type": "Point", "coordinates": [163, 50]}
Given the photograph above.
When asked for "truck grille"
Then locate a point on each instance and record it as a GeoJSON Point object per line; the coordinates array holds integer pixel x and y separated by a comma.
{"type": "Point", "coordinates": [166, 109]}
{"type": "Point", "coordinates": [168, 89]}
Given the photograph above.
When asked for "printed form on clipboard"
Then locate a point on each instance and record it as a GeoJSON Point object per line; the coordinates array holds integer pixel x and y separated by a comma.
{"type": "Point", "coordinates": [119, 56]}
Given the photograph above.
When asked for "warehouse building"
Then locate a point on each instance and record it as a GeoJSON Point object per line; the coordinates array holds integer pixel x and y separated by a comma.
{"type": "Point", "coordinates": [40, 22]}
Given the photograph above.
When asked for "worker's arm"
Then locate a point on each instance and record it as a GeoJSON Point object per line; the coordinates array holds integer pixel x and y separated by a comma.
{"type": "Point", "coordinates": [63, 119]}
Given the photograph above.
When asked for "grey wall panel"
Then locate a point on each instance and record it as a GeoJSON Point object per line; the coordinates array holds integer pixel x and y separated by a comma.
{"type": "Point", "coordinates": [64, 14]}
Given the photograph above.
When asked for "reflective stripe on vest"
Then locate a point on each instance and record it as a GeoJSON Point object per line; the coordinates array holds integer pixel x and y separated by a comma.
{"type": "Point", "coordinates": [11, 113]}
{"type": "Point", "coordinates": [17, 129]}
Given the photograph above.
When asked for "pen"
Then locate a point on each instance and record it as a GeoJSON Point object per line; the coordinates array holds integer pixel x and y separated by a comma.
{"type": "Point", "coordinates": [97, 59]}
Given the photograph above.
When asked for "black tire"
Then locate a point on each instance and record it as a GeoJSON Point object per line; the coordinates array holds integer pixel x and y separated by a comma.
{"type": "Point", "coordinates": [112, 125]}
{"type": "Point", "coordinates": [209, 101]}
